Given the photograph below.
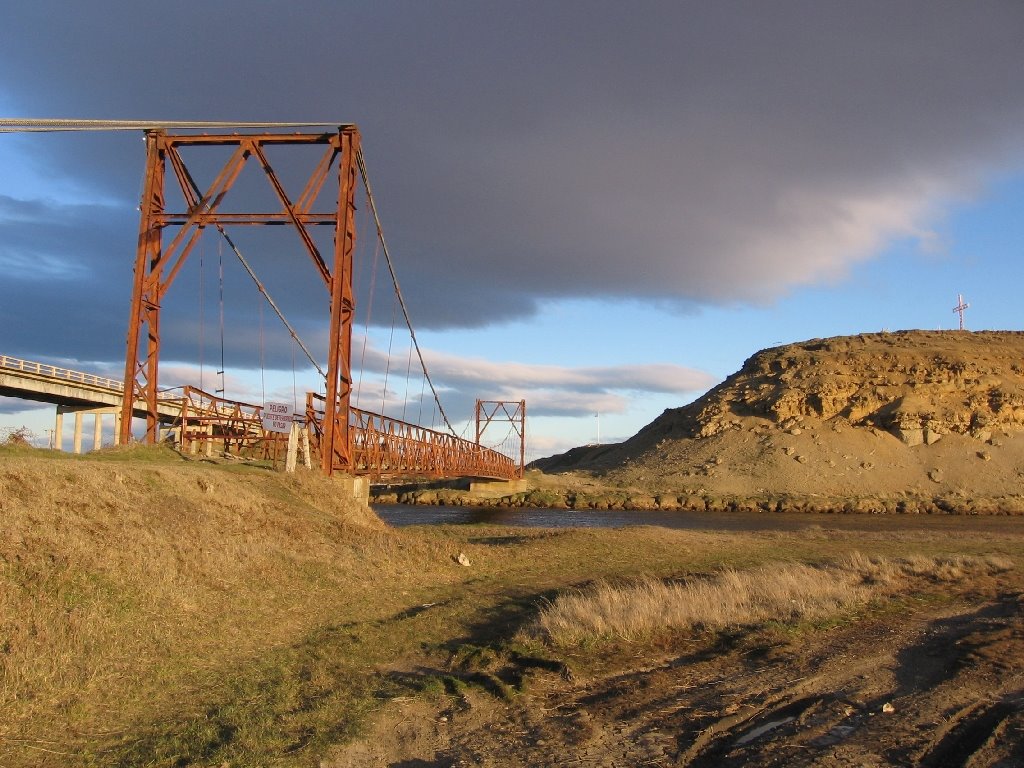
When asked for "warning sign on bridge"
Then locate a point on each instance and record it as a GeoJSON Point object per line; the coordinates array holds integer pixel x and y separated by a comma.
{"type": "Point", "coordinates": [277, 417]}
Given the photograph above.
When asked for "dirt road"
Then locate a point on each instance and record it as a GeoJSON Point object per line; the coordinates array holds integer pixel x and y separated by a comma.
{"type": "Point", "coordinates": [927, 683]}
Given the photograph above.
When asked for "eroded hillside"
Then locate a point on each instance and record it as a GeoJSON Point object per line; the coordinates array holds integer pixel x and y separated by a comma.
{"type": "Point", "coordinates": [898, 417]}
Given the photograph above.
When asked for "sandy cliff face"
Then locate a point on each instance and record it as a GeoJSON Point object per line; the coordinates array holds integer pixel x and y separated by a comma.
{"type": "Point", "coordinates": [905, 414]}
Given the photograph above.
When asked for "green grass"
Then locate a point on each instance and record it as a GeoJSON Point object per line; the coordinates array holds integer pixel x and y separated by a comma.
{"type": "Point", "coordinates": [289, 705]}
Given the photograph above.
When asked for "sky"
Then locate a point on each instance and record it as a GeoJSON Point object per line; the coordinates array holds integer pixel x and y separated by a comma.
{"type": "Point", "coordinates": [601, 208]}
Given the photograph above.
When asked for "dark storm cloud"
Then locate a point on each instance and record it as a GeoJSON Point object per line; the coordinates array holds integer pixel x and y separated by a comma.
{"type": "Point", "coordinates": [685, 152]}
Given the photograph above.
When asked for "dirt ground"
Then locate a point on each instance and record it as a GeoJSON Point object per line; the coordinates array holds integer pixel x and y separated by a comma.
{"type": "Point", "coordinates": [925, 682]}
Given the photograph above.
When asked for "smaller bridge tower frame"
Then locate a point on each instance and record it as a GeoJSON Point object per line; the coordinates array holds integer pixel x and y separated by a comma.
{"type": "Point", "coordinates": [158, 263]}
{"type": "Point", "coordinates": [511, 411]}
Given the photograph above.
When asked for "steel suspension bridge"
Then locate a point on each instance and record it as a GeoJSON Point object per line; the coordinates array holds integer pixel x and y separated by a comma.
{"type": "Point", "coordinates": [342, 437]}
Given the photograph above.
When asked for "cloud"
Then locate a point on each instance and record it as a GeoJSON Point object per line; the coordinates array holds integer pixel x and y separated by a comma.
{"type": "Point", "coordinates": [12, 405]}
{"type": "Point", "coordinates": [663, 378]}
{"type": "Point", "coordinates": [694, 154]}
{"type": "Point", "coordinates": [549, 390]}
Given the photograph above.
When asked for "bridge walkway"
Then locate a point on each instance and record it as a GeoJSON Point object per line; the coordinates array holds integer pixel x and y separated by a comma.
{"type": "Point", "coordinates": [382, 447]}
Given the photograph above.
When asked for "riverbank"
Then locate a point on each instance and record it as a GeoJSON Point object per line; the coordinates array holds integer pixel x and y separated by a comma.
{"type": "Point", "coordinates": [585, 491]}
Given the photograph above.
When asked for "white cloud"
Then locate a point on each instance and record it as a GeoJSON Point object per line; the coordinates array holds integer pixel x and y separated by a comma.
{"type": "Point", "coordinates": [547, 389]}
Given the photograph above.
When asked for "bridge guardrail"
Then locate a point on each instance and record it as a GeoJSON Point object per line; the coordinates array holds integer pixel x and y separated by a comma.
{"type": "Point", "coordinates": [66, 374]}
{"type": "Point", "coordinates": [383, 446]}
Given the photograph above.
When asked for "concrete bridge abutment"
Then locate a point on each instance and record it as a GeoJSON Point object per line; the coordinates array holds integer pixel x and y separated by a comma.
{"type": "Point", "coordinates": [497, 487]}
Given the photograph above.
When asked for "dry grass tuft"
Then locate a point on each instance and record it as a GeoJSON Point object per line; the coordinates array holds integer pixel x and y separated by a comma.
{"type": "Point", "coordinates": [784, 592]}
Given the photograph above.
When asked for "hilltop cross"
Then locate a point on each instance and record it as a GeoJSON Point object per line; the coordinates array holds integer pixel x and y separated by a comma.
{"type": "Point", "coordinates": [961, 305]}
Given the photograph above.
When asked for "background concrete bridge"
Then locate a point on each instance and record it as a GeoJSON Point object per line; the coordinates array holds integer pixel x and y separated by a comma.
{"type": "Point", "coordinates": [77, 393]}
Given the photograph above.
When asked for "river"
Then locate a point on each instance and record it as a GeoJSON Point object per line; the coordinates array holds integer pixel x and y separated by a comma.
{"type": "Point", "coordinates": [400, 515]}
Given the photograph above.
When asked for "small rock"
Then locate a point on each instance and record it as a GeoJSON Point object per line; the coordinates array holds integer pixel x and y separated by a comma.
{"type": "Point", "coordinates": [801, 459]}
{"type": "Point", "coordinates": [984, 455]}
{"type": "Point", "coordinates": [888, 708]}
{"type": "Point", "coordinates": [935, 475]}
{"type": "Point", "coordinates": [790, 450]}
{"type": "Point", "coordinates": [867, 465]}
{"type": "Point", "coordinates": [795, 431]}
{"type": "Point", "coordinates": [912, 436]}
{"type": "Point", "coordinates": [463, 560]}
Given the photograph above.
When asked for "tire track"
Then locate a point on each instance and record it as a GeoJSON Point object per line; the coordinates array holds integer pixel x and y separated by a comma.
{"type": "Point", "coordinates": [974, 728]}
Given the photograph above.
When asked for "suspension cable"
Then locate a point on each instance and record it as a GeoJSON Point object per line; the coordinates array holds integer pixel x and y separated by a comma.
{"type": "Point", "coordinates": [35, 125]}
{"type": "Point", "coordinates": [398, 291]}
{"type": "Point", "coordinates": [387, 367]}
{"type": "Point", "coordinates": [369, 315]}
{"type": "Point", "coordinates": [408, 371]}
{"type": "Point", "coordinates": [202, 311]}
{"type": "Point", "coordinates": [259, 285]}
{"type": "Point", "coordinates": [263, 371]}
{"type": "Point", "coordinates": [220, 282]}
{"type": "Point", "coordinates": [270, 301]}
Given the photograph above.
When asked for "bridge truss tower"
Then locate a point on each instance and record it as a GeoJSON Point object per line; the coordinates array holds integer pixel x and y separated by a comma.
{"type": "Point", "coordinates": [159, 259]}
{"type": "Point", "coordinates": [511, 411]}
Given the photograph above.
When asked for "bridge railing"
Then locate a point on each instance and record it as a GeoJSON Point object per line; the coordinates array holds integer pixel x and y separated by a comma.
{"type": "Point", "coordinates": [208, 419]}
{"type": "Point", "coordinates": [385, 447]}
{"type": "Point", "coordinates": [66, 374]}
{"type": "Point", "coordinates": [56, 372]}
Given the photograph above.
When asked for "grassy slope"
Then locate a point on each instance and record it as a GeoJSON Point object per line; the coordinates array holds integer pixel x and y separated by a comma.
{"type": "Point", "coordinates": [155, 611]}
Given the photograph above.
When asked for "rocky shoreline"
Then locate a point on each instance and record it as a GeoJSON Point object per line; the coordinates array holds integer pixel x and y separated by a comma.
{"type": "Point", "coordinates": [624, 500]}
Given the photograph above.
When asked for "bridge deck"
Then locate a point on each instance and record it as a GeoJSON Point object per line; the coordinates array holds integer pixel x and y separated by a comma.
{"type": "Point", "coordinates": [29, 380]}
{"type": "Point", "coordinates": [382, 447]}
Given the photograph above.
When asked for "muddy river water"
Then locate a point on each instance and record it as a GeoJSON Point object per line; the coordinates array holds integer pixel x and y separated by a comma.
{"type": "Point", "coordinates": [402, 515]}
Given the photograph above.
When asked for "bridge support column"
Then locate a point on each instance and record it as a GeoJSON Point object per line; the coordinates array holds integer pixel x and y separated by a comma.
{"type": "Point", "coordinates": [79, 412]}
{"type": "Point", "coordinates": [336, 444]}
{"type": "Point", "coordinates": [76, 442]}
{"type": "Point", "coordinates": [357, 487]}
{"type": "Point", "coordinates": [58, 430]}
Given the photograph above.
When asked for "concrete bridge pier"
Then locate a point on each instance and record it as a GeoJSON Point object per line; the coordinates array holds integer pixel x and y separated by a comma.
{"type": "Point", "coordinates": [97, 429]}
{"type": "Point", "coordinates": [497, 487]}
